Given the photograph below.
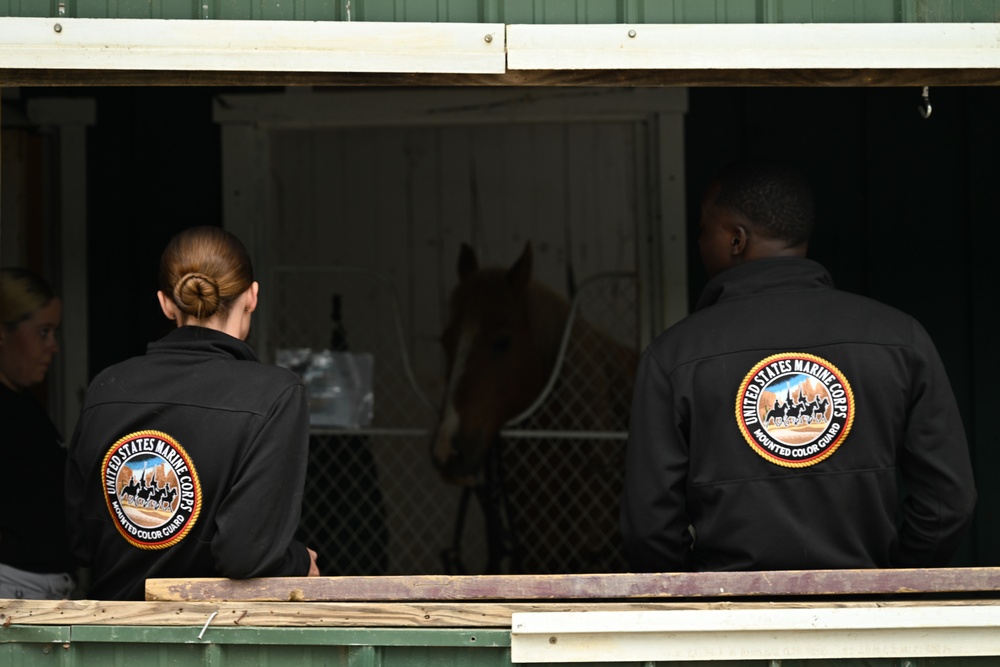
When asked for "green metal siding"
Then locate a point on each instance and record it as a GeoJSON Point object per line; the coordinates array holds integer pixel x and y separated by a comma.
{"type": "Point", "coordinates": [128, 646]}
{"type": "Point", "coordinates": [28, 8]}
{"type": "Point", "coordinates": [524, 11]}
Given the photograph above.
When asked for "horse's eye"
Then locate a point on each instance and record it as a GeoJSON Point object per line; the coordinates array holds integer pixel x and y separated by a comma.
{"type": "Point", "coordinates": [501, 344]}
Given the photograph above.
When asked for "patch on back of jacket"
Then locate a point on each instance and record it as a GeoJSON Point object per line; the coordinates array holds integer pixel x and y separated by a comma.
{"type": "Point", "coordinates": [795, 409]}
{"type": "Point", "coordinates": [152, 489]}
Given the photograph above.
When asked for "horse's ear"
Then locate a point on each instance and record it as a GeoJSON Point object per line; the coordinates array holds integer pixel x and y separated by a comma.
{"type": "Point", "coordinates": [467, 262]}
{"type": "Point", "coordinates": [519, 275]}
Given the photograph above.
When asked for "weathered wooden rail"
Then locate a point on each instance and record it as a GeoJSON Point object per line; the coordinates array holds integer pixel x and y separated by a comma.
{"type": "Point", "coordinates": [947, 614]}
{"type": "Point", "coordinates": [584, 586]}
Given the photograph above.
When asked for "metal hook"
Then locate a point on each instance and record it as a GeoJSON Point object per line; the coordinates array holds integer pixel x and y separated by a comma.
{"type": "Point", "coordinates": [925, 104]}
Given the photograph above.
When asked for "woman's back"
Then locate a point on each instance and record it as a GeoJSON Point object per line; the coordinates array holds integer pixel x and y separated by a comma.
{"type": "Point", "coordinates": [190, 460]}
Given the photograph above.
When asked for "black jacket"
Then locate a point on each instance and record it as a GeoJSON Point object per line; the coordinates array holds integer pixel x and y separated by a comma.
{"type": "Point", "coordinates": [32, 457]}
{"type": "Point", "coordinates": [777, 421]}
{"type": "Point", "coordinates": [188, 461]}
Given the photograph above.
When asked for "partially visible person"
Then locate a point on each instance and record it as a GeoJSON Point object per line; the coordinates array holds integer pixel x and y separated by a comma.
{"type": "Point", "coordinates": [190, 461]}
{"type": "Point", "coordinates": [34, 558]}
{"type": "Point", "coordinates": [770, 429]}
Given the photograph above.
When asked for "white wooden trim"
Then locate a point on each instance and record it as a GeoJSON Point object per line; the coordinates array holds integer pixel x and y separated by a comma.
{"type": "Point", "coordinates": [247, 120]}
{"type": "Point", "coordinates": [70, 117]}
{"type": "Point", "coordinates": [485, 48]}
{"type": "Point", "coordinates": [261, 46]}
{"type": "Point", "coordinates": [247, 208]}
{"type": "Point", "coordinates": [757, 634]}
{"type": "Point", "coordinates": [673, 283]}
{"type": "Point", "coordinates": [754, 46]}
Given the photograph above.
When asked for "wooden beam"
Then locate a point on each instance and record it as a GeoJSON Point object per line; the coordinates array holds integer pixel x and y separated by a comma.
{"type": "Point", "coordinates": [162, 50]}
{"type": "Point", "coordinates": [72, 44]}
{"type": "Point", "coordinates": [362, 614]}
{"type": "Point", "coordinates": [584, 586]}
{"type": "Point", "coordinates": [794, 78]}
{"type": "Point", "coordinates": [749, 46]}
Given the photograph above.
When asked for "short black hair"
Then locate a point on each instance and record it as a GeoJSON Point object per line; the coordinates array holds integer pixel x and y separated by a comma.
{"type": "Point", "coordinates": [774, 197]}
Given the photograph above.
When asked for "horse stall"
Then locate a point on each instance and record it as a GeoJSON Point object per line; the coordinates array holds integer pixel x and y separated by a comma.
{"type": "Point", "coordinates": [388, 165]}
{"type": "Point", "coordinates": [359, 205]}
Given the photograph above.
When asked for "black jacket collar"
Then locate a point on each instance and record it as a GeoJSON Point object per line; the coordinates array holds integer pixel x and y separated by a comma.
{"type": "Point", "coordinates": [775, 274]}
{"type": "Point", "coordinates": [201, 340]}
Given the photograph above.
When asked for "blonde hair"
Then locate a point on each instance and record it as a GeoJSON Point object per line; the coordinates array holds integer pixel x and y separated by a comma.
{"type": "Point", "coordinates": [22, 294]}
{"type": "Point", "coordinates": [203, 270]}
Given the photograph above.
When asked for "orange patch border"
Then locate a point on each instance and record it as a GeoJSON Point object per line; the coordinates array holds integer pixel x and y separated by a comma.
{"type": "Point", "coordinates": [829, 449]}
{"type": "Point", "coordinates": [195, 513]}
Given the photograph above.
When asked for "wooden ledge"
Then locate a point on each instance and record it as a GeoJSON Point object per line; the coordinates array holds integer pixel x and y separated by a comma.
{"type": "Point", "coordinates": [236, 615]}
{"type": "Point", "coordinates": [586, 586]}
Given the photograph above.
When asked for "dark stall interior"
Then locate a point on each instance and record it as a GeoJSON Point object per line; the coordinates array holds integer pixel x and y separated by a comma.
{"type": "Point", "coordinates": [906, 206]}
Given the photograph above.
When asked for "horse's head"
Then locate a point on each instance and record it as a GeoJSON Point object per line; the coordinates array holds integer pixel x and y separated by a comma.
{"type": "Point", "coordinates": [500, 345]}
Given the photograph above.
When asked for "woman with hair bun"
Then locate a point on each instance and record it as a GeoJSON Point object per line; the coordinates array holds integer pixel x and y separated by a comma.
{"type": "Point", "coordinates": [34, 560]}
{"type": "Point", "coordinates": [190, 461]}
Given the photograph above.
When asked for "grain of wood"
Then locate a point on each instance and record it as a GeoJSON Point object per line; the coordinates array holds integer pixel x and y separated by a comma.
{"type": "Point", "coordinates": [593, 586]}
{"type": "Point", "coordinates": [367, 614]}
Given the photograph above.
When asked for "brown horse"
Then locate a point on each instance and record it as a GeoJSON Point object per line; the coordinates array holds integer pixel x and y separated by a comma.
{"type": "Point", "coordinates": [502, 344]}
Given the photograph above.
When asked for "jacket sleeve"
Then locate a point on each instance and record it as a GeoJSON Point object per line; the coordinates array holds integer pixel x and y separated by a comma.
{"type": "Point", "coordinates": [654, 520]}
{"type": "Point", "coordinates": [258, 519]}
{"type": "Point", "coordinates": [934, 465]}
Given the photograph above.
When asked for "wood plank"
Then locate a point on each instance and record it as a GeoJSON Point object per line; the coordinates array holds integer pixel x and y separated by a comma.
{"type": "Point", "coordinates": [753, 46]}
{"type": "Point", "coordinates": [363, 614]}
{"type": "Point", "coordinates": [306, 46]}
{"type": "Point", "coordinates": [648, 77]}
{"type": "Point", "coordinates": [444, 47]}
{"type": "Point", "coordinates": [755, 634]}
{"type": "Point", "coordinates": [586, 586]}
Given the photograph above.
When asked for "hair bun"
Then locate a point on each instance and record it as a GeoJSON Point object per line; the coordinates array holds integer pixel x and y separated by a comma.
{"type": "Point", "coordinates": [197, 294]}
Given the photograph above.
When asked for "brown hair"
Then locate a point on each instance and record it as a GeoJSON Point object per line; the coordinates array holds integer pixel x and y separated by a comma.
{"type": "Point", "coordinates": [203, 270]}
{"type": "Point", "coordinates": [22, 294]}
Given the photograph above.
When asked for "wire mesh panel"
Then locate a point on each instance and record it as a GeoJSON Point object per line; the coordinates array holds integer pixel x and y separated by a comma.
{"type": "Point", "coordinates": [564, 457]}
{"type": "Point", "coordinates": [373, 503]}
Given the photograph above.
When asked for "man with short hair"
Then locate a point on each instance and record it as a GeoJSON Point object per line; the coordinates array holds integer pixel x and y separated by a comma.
{"type": "Point", "coordinates": [771, 428]}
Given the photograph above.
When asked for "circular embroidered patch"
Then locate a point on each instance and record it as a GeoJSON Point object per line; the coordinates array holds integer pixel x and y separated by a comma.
{"type": "Point", "coordinates": [152, 489]}
{"type": "Point", "coordinates": [795, 409]}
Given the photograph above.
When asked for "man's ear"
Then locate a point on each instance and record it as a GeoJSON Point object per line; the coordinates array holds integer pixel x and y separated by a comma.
{"type": "Point", "coordinates": [738, 241]}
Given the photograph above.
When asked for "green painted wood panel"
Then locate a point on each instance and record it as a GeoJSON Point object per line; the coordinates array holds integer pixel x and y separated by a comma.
{"type": "Point", "coordinates": [524, 11]}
